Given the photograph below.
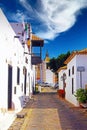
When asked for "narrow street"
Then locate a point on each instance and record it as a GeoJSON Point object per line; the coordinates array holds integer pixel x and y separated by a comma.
{"type": "Point", "coordinates": [47, 112]}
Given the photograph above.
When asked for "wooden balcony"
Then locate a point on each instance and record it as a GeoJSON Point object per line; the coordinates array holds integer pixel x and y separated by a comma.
{"type": "Point", "coordinates": [36, 57]}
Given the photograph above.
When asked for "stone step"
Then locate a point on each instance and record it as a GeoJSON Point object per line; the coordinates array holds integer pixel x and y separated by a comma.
{"type": "Point", "coordinates": [21, 114]}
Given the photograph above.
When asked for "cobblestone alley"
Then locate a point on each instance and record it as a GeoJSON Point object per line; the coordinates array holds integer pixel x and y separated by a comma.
{"type": "Point", "coordinates": [47, 112]}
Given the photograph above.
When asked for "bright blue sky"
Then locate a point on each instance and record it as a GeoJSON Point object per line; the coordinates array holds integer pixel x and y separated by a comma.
{"type": "Point", "coordinates": [62, 24]}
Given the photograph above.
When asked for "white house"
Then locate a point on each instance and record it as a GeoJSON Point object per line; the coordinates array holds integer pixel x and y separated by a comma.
{"type": "Point", "coordinates": [76, 74]}
{"type": "Point", "coordinates": [47, 75]}
{"type": "Point", "coordinates": [28, 41]}
{"type": "Point", "coordinates": [17, 63]}
{"type": "Point", "coordinates": [16, 71]}
{"type": "Point", "coordinates": [11, 57]}
{"type": "Point", "coordinates": [17, 77]}
{"type": "Point", "coordinates": [23, 33]}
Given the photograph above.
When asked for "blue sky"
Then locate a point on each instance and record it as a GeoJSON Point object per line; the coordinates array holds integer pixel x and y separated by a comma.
{"type": "Point", "coordinates": [62, 24]}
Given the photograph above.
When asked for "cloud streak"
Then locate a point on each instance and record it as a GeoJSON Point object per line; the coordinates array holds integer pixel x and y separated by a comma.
{"type": "Point", "coordinates": [59, 16]}
{"type": "Point", "coordinates": [25, 4]}
{"type": "Point", "coordinates": [49, 18]}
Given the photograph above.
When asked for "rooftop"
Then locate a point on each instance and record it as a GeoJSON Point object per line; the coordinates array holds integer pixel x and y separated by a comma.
{"type": "Point", "coordinates": [74, 53]}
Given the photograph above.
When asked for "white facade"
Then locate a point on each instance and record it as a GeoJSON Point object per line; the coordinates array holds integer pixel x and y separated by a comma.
{"type": "Point", "coordinates": [74, 80]}
{"type": "Point", "coordinates": [19, 29]}
{"type": "Point", "coordinates": [16, 72]}
{"type": "Point", "coordinates": [49, 76]}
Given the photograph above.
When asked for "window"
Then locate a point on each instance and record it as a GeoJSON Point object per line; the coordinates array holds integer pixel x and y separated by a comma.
{"type": "Point", "coordinates": [69, 72]}
{"type": "Point", "coordinates": [22, 87]}
{"type": "Point", "coordinates": [72, 85]}
{"type": "Point", "coordinates": [73, 70]}
{"type": "Point", "coordinates": [18, 75]}
{"type": "Point", "coordinates": [14, 90]}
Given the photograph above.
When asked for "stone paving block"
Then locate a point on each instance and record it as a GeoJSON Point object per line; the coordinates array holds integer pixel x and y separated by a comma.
{"type": "Point", "coordinates": [21, 114]}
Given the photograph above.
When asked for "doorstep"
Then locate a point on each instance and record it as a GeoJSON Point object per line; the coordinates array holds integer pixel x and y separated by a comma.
{"type": "Point", "coordinates": [83, 105]}
{"type": "Point", "coordinates": [21, 114]}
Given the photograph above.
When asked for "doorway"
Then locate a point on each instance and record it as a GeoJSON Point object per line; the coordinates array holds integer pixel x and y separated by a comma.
{"type": "Point", "coordinates": [25, 79]}
{"type": "Point", "coordinates": [9, 86]}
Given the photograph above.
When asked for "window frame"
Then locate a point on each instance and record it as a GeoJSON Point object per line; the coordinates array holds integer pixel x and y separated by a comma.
{"type": "Point", "coordinates": [18, 75]}
{"type": "Point", "coordinates": [72, 85]}
{"type": "Point", "coordinates": [69, 72]}
{"type": "Point", "coordinates": [72, 70]}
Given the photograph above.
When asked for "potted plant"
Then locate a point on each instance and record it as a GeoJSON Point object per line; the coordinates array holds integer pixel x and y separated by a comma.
{"type": "Point", "coordinates": [61, 93]}
{"type": "Point", "coordinates": [81, 95]}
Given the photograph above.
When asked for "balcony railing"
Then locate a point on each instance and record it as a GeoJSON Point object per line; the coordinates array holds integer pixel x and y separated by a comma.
{"type": "Point", "coordinates": [36, 59]}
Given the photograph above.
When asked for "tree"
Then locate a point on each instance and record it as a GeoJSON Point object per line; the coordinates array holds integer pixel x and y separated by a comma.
{"type": "Point", "coordinates": [56, 63]}
{"type": "Point", "coordinates": [52, 64]}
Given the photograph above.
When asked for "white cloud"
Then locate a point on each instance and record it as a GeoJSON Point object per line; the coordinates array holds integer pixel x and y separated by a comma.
{"type": "Point", "coordinates": [60, 16]}
{"type": "Point", "coordinates": [46, 35]}
{"type": "Point", "coordinates": [19, 16]}
{"type": "Point", "coordinates": [57, 16]}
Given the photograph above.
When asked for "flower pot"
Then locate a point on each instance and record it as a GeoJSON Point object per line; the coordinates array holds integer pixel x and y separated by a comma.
{"type": "Point", "coordinates": [61, 93]}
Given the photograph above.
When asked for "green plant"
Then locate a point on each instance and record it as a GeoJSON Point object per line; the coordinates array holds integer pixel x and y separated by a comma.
{"type": "Point", "coordinates": [81, 95]}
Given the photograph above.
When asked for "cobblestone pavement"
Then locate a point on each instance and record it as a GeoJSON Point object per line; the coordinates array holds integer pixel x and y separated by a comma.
{"type": "Point", "coordinates": [47, 112]}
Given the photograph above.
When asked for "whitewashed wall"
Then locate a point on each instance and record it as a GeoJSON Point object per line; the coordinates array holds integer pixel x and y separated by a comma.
{"type": "Point", "coordinates": [12, 53]}
{"type": "Point", "coordinates": [79, 60]}
{"type": "Point", "coordinates": [69, 96]}
{"type": "Point", "coordinates": [49, 76]}
{"type": "Point", "coordinates": [19, 29]}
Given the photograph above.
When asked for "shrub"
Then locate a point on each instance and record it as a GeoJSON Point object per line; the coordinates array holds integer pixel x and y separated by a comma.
{"type": "Point", "coordinates": [81, 95]}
